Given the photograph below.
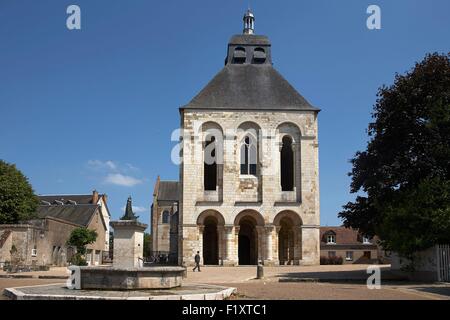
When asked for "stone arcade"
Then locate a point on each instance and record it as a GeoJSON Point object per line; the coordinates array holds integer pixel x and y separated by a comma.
{"type": "Point", "coordinates": [258, 201]}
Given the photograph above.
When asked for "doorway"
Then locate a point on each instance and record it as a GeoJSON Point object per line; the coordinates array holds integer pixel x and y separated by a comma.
{"type": "Point", "coordinates": [248, 242]}
{"type": "Point", "coordinates": [210, 242]}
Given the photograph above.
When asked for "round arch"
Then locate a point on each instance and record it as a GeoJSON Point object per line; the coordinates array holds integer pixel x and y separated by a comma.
{"type": "Point", "coordinates": [210, 213]}
{"type": "Point", "coordinates": [247, 124]}
{"type": "Point", "coordinates": [210, 222]}
{"type": "Point", "coordinates": [253, 214]}
{"type": "Point", "coordinates": [292, 215]}
{"type": "Point", "coordinates": [291, 129]}
{"type": "Point", "coordinates": [289, 236]}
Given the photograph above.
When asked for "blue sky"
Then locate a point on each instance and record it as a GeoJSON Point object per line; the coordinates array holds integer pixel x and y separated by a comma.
{"type": "Point", "coordinates": [94, 108]}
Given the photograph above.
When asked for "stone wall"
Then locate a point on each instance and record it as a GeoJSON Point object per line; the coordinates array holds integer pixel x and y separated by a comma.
{"type": "Point", "coordinates": [44, 241]}
{"type": "Point", "coordinates": [261, 196]}
{"type": "Point", "coordinates": [425, 269]}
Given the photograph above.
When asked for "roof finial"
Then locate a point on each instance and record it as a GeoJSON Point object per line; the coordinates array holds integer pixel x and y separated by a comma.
{"type": "Point", "coordinates": [249, 22]}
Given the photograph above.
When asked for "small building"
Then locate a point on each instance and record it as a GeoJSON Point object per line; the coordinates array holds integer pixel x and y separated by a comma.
{"type": "Point", "coordinates": [43, 241]}
{"type": "Point", "coordinates": [95, 199]}
{"type": "Point", "coordinates": [352, 246]}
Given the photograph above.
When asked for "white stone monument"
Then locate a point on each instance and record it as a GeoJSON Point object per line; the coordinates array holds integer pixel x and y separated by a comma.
{"type": "Point", "coordinates": [128, 240]}
{"type": "Point", "coordinates": [128, 243]}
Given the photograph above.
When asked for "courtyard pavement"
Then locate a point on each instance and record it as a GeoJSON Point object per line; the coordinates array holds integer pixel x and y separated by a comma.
{"type": "Point", "coordinates": [345, 282]}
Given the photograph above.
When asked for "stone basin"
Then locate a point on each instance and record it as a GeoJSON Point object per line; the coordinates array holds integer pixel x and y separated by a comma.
{"type": "Point", "coordinates": [112, 278]}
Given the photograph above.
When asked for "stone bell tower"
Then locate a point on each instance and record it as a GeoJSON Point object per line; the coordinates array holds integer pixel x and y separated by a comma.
{"type": "Point", "coordinates": [250, 173]}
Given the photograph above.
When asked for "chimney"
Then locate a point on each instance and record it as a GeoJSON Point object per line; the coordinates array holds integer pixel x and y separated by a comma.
{"type": "Point", "coordinates": [105, 197]}
{"type": "Point", "coordinates": [94, 197]}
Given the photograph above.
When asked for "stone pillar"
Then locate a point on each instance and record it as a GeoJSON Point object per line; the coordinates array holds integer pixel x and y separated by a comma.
{"type": "Point", "coordinates": [269, 246]}
{"type": "Point", "coordinates": [128, 243]}
{"type": "Point", "coordinates": [260, 244]}
{"type": "Point", "coordinates": [201, 228]}
{"type": "Point", "coordinates": [229, 259]}
{"type": "Point", "coordinates": [310, 245]}
{"type": "Point", "coordinates": [275, 252]}
{"type": "Point", "coordinates": [220, 240]}
{"type": "Point", "coordinates": [236, 244]}
{"type": "Point", "coordinates": [297, 245]}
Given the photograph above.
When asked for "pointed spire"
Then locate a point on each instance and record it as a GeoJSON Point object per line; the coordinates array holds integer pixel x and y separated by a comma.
{"type": "Point", "coordinates": [129, 215]}
{"type": "Point", "coordinates": [249, 22]}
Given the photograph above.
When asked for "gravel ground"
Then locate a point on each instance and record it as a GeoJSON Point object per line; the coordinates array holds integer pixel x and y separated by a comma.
{"type": "Point", "coordinates": [243, 279]}
{"type": "Point", "coordinates": [260, 290]}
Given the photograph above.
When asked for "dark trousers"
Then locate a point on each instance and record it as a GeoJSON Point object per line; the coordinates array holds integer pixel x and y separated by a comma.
{"type": "Point", "coordinates": [197, 266]}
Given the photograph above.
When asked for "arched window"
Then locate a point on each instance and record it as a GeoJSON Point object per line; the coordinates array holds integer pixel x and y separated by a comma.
{"type": "Point", "coordinates": [259, 55]}
{"type": "Point", "coordinates": [239, 55]}
{"type": "Point", "coordinates": [287, 164]}
{"type": "Point", "coordinates": [210, 164]}
{"type": "Point", "coordinates": [165, 217]}
{"type": "Point", "coordinates": [248, 156]}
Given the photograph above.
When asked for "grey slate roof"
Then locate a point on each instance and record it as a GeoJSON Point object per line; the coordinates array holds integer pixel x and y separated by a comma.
{"type": "Point", "coordinates": [169, 191]}
{"type": "Point", "coordinates": [249, 86]}
{"type": "Point", "coordinates": [247, 39]}
{"type": "Point", "coordinates": [78, 198]}
{"type": "Point", "coordinates": [80, 214]}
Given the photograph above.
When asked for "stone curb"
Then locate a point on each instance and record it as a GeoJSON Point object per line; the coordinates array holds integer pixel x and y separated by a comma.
{"type": "Point", "coordinates": [27, 276]}
{"type": "Point", "coordinates": [17, 276]}
{"type": "Point", "coordinates": [16, 294]}
{"type": "Point", "coordinates": [286, 279]}
{"type": "Point", "coordinates": [53, 277]}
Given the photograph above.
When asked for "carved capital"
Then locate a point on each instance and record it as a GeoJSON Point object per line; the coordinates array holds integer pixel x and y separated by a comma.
{"type": "Point", "coordinates": [269, 229]}
{"type": "Point", "coordinates": [228, 228]}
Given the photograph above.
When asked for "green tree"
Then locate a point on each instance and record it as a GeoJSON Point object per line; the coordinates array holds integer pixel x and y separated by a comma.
{"type": "Point", "coordinates": [403, 176]}
{"type": "Point", "coordinates": [147, 245]}
{"type": "Point", "coordinates": [80, 238]}
{"type": "Point", "coordinates": [17, 199]}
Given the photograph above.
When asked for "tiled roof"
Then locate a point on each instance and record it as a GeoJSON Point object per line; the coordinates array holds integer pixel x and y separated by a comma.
{"type": "Point", "coordinates": [169, 191]}
{"type": "Point", "coordinates": [80, 214]}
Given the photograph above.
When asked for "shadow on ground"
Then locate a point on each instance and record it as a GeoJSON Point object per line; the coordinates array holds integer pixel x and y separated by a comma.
{"type": "Point", "coordinates": [443, 291]}
{"type": "Point", "coordinates": [357, 276]}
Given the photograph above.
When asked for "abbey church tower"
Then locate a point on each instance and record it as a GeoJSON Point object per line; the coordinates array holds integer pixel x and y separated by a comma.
{"type": "Point", "coordinates": [249, 178]}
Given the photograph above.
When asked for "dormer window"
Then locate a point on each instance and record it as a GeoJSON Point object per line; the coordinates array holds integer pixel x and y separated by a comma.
{"type": "Point", "coordinates": [366, 240]}
{"type": "Point", "coordinates": [239, 55]}
{"type": "Point", "coordinates": [259, 56]}
{"type": "Point", "coordinates": [331, 239]}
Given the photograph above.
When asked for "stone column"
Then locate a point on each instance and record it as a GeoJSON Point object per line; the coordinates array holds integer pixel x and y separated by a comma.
{"type": "Point", "coordinates": [260, 245]}
{"type": "Point", "coordinates": [228, 259]}
{"type": "Point", "coordinates": [236, 245]}
{"type": "Point", "coordinates": [201, 228]}
{"type": "Point", "coordinates": [275, 252]}
{"type": "Point", "coordinates": [220, 240]}
{"type": "Point", "coordinates": [269, 246]}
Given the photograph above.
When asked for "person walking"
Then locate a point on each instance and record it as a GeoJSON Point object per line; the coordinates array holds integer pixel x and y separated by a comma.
{"type": "Point", "coordinates": [197, 261]}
